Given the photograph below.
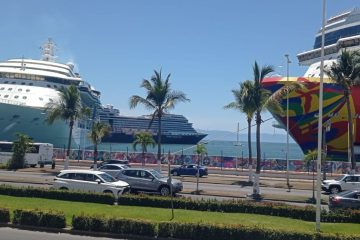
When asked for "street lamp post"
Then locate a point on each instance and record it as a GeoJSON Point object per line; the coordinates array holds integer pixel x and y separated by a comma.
{"type": "Point", "coordinates": [319, 154]}
{"type": "Point", "coordinates": [287, 121]}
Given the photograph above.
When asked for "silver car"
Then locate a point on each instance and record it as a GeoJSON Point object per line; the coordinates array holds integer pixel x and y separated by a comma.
{"type": "Point", "coordinates": [149, 180]}
{"type": "Point", "coordinates": [112, 169]}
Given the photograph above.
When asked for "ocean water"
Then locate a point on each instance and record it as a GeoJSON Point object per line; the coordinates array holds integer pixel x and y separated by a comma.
{"type": "Point", "coordinates": [269, 150]}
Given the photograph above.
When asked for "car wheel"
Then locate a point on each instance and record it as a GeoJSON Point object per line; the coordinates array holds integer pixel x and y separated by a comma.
{"type": "Point", "coordinates": [334, 189]}
{"type": "Point", "coordinates": [175, 173]}
{"type": "Point", "coordinates": [64, 188]}
{"type": "Point", "coordinates": [164, 191]}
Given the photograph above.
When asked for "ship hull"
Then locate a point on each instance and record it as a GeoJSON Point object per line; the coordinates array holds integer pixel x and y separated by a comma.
{"type": "Point", "coordinates": [303, 116]}
{"type": "Point", "coordinates": [165, 139]}
{"type": "Point", "coordinates": [32, 122]}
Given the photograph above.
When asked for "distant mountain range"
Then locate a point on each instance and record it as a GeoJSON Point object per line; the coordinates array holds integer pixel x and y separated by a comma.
{"type": "Point", "coordinates": [231, 136]}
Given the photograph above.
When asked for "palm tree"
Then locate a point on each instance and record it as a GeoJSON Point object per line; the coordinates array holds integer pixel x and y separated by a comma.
{"type": "Point", "coordinates": [143, 139]}
{"type": "Point", "coordinates": [244, 103]}
{"type": "Point", "coordinates": [68, 108]}
{"type": "Point", "coordinates": [261, 101]}
{"type": "Point", "coordinates": [200, 150]}
{"type": "Point", "coordinates": [160, 99]}
{"type": "Point", "coordinates": [98, 131]}
{"type": "Point", "coordinates": [346, 74]}
{"type": "Point", "coordinates": [264, 100]}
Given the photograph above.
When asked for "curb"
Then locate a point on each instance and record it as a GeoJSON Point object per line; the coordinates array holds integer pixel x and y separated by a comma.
{"type": "Point", "coordinates": [76, 232]}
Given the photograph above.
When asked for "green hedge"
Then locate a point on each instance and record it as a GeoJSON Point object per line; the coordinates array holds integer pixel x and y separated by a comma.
{"type": "Point", "coordinates": [196, 231]}
{"type": "Point", "coordinates": [114, 225]}
{"type": "Point", "coordinates": [201, 231]}
{"type": "Point", "coordinates": [4, 215]}
{"type": "Point", "coordinates": [57, 194]}
{"type": "Point", "coordinates": [39, 218]}
{"type": "Point", "coordinates": [306, 213]}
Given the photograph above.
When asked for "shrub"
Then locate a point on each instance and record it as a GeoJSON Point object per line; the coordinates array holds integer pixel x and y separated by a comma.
{"type": "Point", "coordinates": [39, 218]}
{"type": "Point", "coordinates": [201, 231]}
{"type": "Point", "coordinates": [57, 194]}
{"type": "Point", "coordinates": [306, 213]}
{"type": "Point", "coordinates": [114, 225]}
{"type": "Point", "coordinates": [4, 215]}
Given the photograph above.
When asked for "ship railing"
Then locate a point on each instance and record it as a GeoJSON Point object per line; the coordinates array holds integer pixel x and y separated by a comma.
{"type": "Point", "coordinates": [7, 101]}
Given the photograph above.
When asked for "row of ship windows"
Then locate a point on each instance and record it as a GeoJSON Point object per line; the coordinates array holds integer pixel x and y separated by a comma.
{"type": "Point", "coordinates": [38, 78]}
{"type": "Point", "coordinates": [25, 97]}
{"type": "Point", "coordinates": [22, 76]}
{"type": "Point", "coordinates": [19, 90]}
{"type": "Point", "coordinates": [30, 84]}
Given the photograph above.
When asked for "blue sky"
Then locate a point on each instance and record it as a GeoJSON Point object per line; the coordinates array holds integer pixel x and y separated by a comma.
{"type": "Point", "coordinates": [208, 46]}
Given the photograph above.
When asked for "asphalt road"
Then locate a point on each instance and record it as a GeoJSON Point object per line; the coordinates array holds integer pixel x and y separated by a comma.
{"type": "Point", "coordinates": [7, 233]}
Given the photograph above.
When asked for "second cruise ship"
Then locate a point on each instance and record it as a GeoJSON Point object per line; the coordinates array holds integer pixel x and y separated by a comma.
{"type": "Point", "coordinates": [175, 128]}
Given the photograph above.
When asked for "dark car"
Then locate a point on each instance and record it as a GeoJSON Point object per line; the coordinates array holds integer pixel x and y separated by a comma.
{"type": "Point", "coordinates": [346, 199]}
{"type": "Point", "coordinates": [190, 169]}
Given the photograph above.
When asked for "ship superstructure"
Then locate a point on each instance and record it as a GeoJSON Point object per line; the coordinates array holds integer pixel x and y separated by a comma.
{"type": "Point", "coordinates": [175, 128]}
{"type": "Point", "coordinates": [341, 32]}
{"type": "Point", "coordinates": [27, 86]}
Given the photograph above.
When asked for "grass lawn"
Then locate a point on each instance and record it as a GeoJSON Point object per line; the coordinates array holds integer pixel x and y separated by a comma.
{"type": "Point", "coordinates": [161, 214]}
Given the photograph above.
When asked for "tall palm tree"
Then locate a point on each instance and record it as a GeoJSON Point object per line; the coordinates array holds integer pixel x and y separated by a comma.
{"type": "Point", "coordinates": [98, 131]}
{"type": "Point", "coordinates": [200, 150]}
{"type": "Point", "coordinates": [143, 139]}
{"type": "Point", "coordinates": [264, 100]}
{"type": "Point", "coordinates": [346, 74]}
{"type": "Point", "coordinates": [160, 98]}
{"type": "Point", "coordinates": [261, 101]}
{"type": "Point", "coordinates": [68, 108]}
{"type": "Point", "coordinates": [244, 103]}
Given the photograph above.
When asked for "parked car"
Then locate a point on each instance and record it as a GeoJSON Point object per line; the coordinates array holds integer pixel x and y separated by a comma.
{"type": "Point", "coordinates": [190, 169]}
{"type": "Point", "coordinates": [112, 169]}
{"type": "Point", "coordinates": [342, 183]}
{"type": "Point", "coordinates": [112, 161]}
{"type": "Point", "coordinates": [149, 180]}
{"type": "Point", "coordinates": [90, 181]}
{"type": "Point", "coordinates": [346, 199]}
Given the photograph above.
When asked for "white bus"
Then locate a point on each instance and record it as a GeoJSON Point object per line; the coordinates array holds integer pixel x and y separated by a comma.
{"type": "Point", "coordinates": [40, 153]}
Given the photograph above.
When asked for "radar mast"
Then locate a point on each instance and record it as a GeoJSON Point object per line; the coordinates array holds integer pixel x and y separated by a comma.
{"type": "Point", "coordinates": [48, 51]}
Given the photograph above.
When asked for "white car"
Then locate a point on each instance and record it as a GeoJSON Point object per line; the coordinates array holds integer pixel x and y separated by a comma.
{"type": "Point", "coordinates": [342, 183]}
{"type": "Point", "coordinates": [113, 169]}
{"type": "Point", "coordinates": [90, 181]}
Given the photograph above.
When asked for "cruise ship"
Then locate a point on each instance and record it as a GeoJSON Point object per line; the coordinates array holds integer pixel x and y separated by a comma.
{"type": "Point", "coordinates": [175, 128]}
{"type": "Point", "coordinates": [27, 85]}
{"type": "Point", "coordinates": [341, 32]}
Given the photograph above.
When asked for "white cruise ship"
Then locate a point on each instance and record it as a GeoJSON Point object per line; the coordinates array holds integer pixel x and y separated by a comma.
{"type": "Point", "coordinates": [27, 85]}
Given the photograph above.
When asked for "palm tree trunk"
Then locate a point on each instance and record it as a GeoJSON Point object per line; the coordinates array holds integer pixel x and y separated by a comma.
{"type": "Point", "coordinates": [66, 163]}
{"type": "Point", "coordinates": [256, 185]}
{"type": "Point", "coordinates": [250, 151]}
{"type": "Point", "coordinates": [159, 143]}
{"type": "Point", "coordinates": [197, 175]}
{"type": "Point", "coordinates": [95, 156]}
{"type": "Point", "coordinates": [351, 136]}
{"type": "Point", "coordinates": [143, 156]}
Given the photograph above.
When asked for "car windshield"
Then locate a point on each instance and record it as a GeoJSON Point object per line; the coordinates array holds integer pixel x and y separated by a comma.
{"type": "Point", "coordinates": [156, 174]}
{"type": "Point", "coordinates": [107, 178]}
{"type": "Point", "coordinates": [339, 178]}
